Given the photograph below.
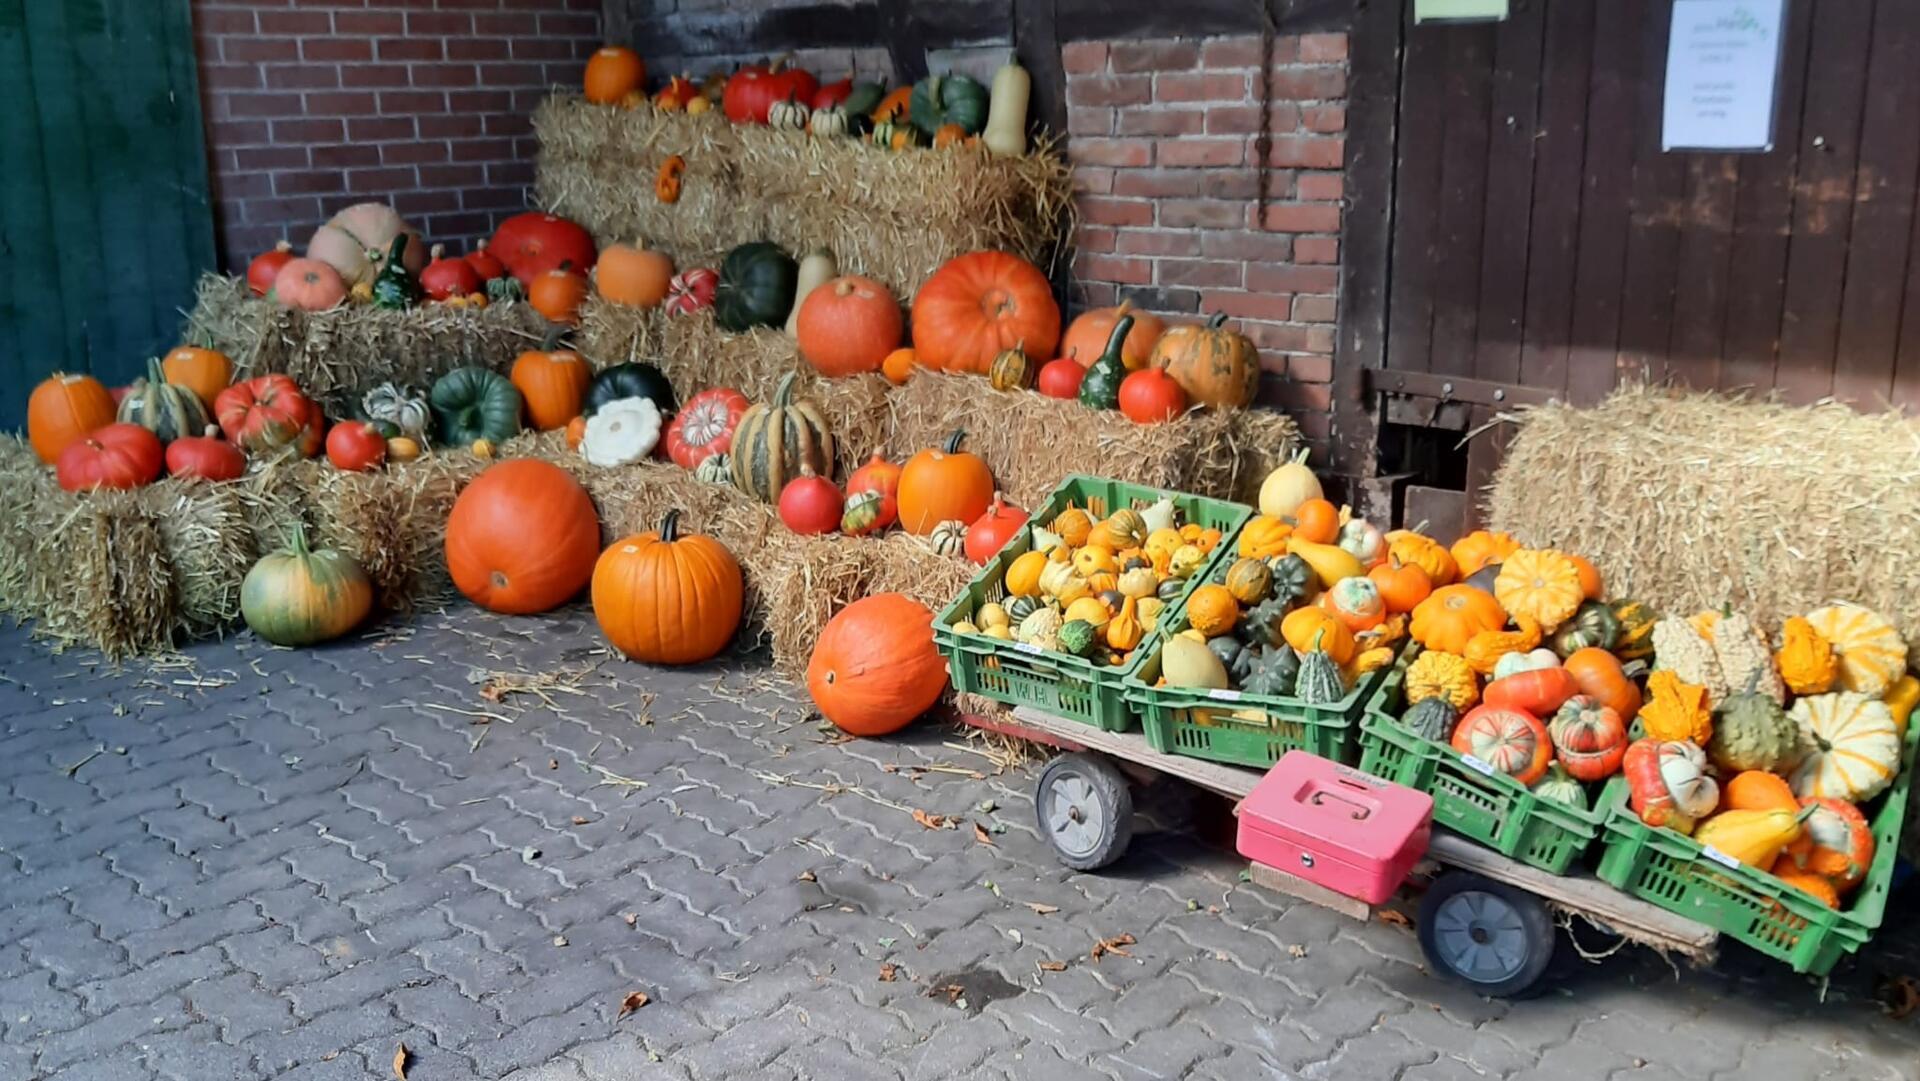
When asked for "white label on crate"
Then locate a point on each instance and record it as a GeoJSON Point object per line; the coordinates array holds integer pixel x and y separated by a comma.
{"type": "Point", "coordinates": [1718, 856]}
{"type": "Point", "coordinates": [1224, 696]}
{"type": "Point", "coordinates": [1475, 763]}
{"type": "Point", "coordinates": [1028, 647]}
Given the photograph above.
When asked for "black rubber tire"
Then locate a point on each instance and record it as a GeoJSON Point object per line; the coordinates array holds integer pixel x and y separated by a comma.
{"type": "Point", "coordinates": [1084, 809]}
{"type": "Point", "coordinates": [1495, 938]}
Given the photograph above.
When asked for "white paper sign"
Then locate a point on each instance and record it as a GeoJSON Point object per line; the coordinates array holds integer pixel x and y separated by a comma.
{"type": "Point", "coordinates": [1723, 65]}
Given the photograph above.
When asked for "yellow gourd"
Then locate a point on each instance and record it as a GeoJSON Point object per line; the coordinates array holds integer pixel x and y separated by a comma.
{"type": "Point", "coordinates": [1676, 710]}
{"type": "Point", "coordinates": [1446, 676]}
{"type": "Point", "coordinates": [1755, 838]}
{"type": "Point", "coordinates": [1900, 700]}
{"type": "Point", "coordinates": [1162, 542]}
{"type": "Point", "coordinates": [1330, 563]}
{"type": "Point", "coordinates": [1371, 660]}
{"type": "Point", "coordinates": [1075, 589]}
{"type": "Point", "coordinates": [1420, 550]}
{"type": "Point", "coordinates": [1124, 630]}
{"type": "Point", "coordinates": [1091, 609]}
{"type": "Point", "coordinates": [1872, 653]}
{"type": "Point", "coordinates": [1149, 609]}
{"type": "Point", "coordinates": [1212, 610]}
{"type": "Point", "coordinates": [1187, 662]}
{"type": "Point", "coordinates": [1264, 537]}
{"type": "Point", "coordinates": [1139, 582]}
{"type": "Point", "coordinates": [1485, 649]}
{"type": "Point", "coordinates": [992, 615]}
{"type": "Point", "coordinates": [1093, 559]}
{"type": "Point", "coordinates": [1806, 659]}
{"type": "Point", "coordinates": [1540, 584]}
{"type": "Point", "coordinates": [1288, 486]}
{"type": "Point", "coordinates": [1023, 574]}
{"type": "Point", "coordinates": [1054, 577]}
{"type": "Point", "coordinates": [1073, 525]}
{"type": "Point", "coordinates": [1302, 627]}
{"type": "Point", "coordinates": [1186, 562]}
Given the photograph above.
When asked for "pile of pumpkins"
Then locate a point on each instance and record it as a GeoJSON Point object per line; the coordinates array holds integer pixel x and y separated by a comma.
{"type": "Point", "coordinates": [1762, 747]}
{"type": "Point", "coordinates": [1096, 587]}
{"type": "Point", "coordinates": [940, 110]}
{"type": "Point", "coordinates": [368, 254]}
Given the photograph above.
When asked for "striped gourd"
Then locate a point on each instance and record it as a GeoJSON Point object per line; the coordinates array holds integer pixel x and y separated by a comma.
{"type": "Point", "coordinates": [774, 440]}
{"type": "Point", "coordinates": [1872, 653]}
{"type": "Point", "coordinates": [165, 409]}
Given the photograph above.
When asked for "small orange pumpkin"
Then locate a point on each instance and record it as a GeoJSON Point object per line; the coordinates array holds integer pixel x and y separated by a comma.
{"type": "Point", "coordinates": [206, 372]}
{"type": "Point", "coordinates": [64, 409]}
{"type": "Point", "coordinates": [898, 365]}
{"type": "Point", "coordinates": [848, 326]}
{"type": "Point", "coordinates": [1217, 366]}
{"type": "Point", "coordinates": [557, 294]}
{"type": "Point", "coordinates": [553, 384]}
{"type": "Point", "coordinates": [633, 274]}
{"type": "Point", "coordinates": [613, 72]}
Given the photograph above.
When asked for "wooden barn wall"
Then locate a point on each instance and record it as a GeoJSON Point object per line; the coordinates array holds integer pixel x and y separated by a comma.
{"type": "Point", "coordinates": [1540, 238]}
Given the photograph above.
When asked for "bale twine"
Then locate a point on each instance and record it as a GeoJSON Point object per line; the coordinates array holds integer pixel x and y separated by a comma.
{"type": "Point", "coordinates": [894, 217]}
{"type": "Point", "coordinates": [1690, 501]}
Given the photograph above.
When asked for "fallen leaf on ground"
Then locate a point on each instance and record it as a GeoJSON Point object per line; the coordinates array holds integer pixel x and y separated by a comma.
{"type": "Point", "coordinates": [400, 1063]}
{"type": "Point", "coordinates": [1395, 917]}
{"type": "Point", "coordinates": [888, 970]}
{"type": "Point", "coordinates": [553, 763]}
{"type": "Point", "coordinates": [1116, 945]}
{"type": "Point", "coordinates": [579, 820]}
{"type": "Point", "coordinates": [1899, 996]}
{"type": "Point", "coordinates": [1053, 966]}
{"type": "Point", "coordinates": [806, 876]}
{"type": "Point", "coordinates": [1297, 951]}
{"type": "Point", "coordinates": [559, 940]}
{"type": "Point", "coordinates": [980, 835]}
{"type": "Point", "coordinates": [953, 991]}
{"type": "Point", "coordinates": [1043, 909]}
{"type": "Point", "coordinates": [631, 918]}
{"type": "Point", "coordinates": [633, 1001]}
{"type": "Point", "coordinates": [931, 821]}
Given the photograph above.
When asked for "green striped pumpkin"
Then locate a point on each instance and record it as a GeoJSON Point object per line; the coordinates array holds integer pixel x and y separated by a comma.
{"type": "Point", "coordinates": [167, 410]}
{"type": "Point", "coordinates": [773, 441]}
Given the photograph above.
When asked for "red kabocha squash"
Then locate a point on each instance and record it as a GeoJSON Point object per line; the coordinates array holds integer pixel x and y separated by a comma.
{"type": "Point", "coordinates": [64, 408]}
{"type": "Point", "coordinates": [206, 372]}
{"type": "Point", "coordinates": [633, 275]}
{"type": "Point", "coordinates": [114, 456]}
{"type": "Point", "coordinates": [309, 285]}
{"type": "Point", "coordinates": [355, 243]}
{"type": "Point", "coordinates": [354, 446]}
{"type": "Point", "coordinates": [692, 290]}
{"type": "Point", "coordinates": [1150, 396]}
{"type": "Point", "coordinates": [558, 294]}
{"type": "Point", "coordinates": [874, 668]}
{"type": "Point", "coordinates": [991, 531]}
{"type": "Point", "coordinates": [205, 457]}
{"type": "Point", "coordinates": [613, 72]}
{"type": "Point", "coordinates": [664, 598]}
{"type": "Point", "coordinates": [704, 427]}
{"type": "Point", "coordinates": [754, 90]}
{"type": "Point", "coordinates": [944, 485]}
{"type": "Point", "coordinates": [522, 538]}
{"type": "Point", "coordinates": [881, 477]}
{"type": "Point", "coordinates": [264, 413]}
{"type": "Point", "coordinates": [980, 305]}
{"type": "Point", "coordinates": [848, 326]}
{"type": "Point", "coordinates": [1539, 691]}
{"type": "Point", "coordinates": [1512, 741]}
{"type": "Point", "coordinates": [811, 504]}
{"type": "Point", "coordinates": [485, 263]}
{"type": "Point", "coordinates": [1060, 378]}
{"type": "Point", "coordinates": [553, 384]}
{"type": "Point", "coordinates": [532, 244]}
{"type": "Point", "coordinates": [446, 277]}
{"type": "Point", "coordinates": [265, 267]}
{"type": "Point", "coordinates": [1590, 738]}
{"type": "Point", "coordinates": [1086, 337]}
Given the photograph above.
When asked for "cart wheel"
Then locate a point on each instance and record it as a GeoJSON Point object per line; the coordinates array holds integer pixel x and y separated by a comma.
{"type": "Point", "coordinates": [1489, 935]}
{"type": "Point", "coordinates": [1085, 809]}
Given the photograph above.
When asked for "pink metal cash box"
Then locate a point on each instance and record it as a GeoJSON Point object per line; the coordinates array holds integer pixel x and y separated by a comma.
{"type": "Point", "coordinates": [1348, 831]}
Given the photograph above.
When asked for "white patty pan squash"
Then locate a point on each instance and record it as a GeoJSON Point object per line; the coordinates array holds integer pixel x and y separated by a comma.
{"type": "Point", "coordinates": [622, 432]}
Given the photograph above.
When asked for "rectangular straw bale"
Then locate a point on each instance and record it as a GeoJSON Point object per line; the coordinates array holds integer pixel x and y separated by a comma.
{"type": "Point", "coordinates": [808, 580]}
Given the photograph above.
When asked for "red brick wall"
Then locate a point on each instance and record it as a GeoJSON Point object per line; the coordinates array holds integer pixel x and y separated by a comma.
{"type": "Point", "coordinates": [315, 105]}
{"type": "Point", "coordinates": [1163, 140]}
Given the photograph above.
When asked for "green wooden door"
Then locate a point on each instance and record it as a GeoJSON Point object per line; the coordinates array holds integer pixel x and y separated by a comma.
{"type": "Point", "coordinates": [104, 217]}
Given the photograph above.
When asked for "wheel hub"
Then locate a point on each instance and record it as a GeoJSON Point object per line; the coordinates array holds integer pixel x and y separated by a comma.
{"type": "Point", "coordinates": [1073, 814]}
{"type": "Point", "coordinates": [1480, 936]}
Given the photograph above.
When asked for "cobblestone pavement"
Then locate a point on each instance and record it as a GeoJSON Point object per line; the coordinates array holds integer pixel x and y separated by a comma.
{"type": "Point", "coordinates": [287, 864]}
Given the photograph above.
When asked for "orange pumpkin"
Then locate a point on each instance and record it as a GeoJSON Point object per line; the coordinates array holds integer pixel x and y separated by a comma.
{"type": "Point", "coordinates": [552, 384]}
{"type": "Point", "coordinates": [576, 431]}
{"type": "Point", "coordinates": [1479, 548]}
{"type": "Point", "coordinates": [206, 372]}
{"type": "Point", "coordinates": [309, 285]}
{"type": "Point", "coordinates": [1402, 586]}
{"type": "Point", "coordinates": [1599, 674]}
{"type": "Point", "coordinates": [1217, 366]}
{"type": "Point", "coordinates": [894, 106]}
{"type": "Point", "coordinates": [898, 366]}
{"type": "Point", "coordinates": [522, 538]}
{"type": "Point", "coordinates": [1591, 587]}
{"type": "Point", "coordinates": [1316, 520]}
{"type": "Point", "coordinates": [1306, 625]}
{"type": "Point", "coordinates": [633, 275]}
{"type": "Point", "coordinates": [947, 135]}
{"type": "Point", "coordinates": [874, 668]}
{"type": "Point", "coordinates": [980, 305]}
{"type": "Point", "coordinates": [557, 294]}
{"type": "Point", "coordinates": [65, 408]}
{"type": "Point", "coordinates": [944, 485]}
{"type": "Point", "coordinates": [667, 599]}
{"type": "Point", "coordinates": [848, 325]}
{"type": "Point", "coordinates": [1451, 615]}
{"type": "Point", "coordinates": [1087, 336]}
{"type": "Point", "coordinates": [613, 72]}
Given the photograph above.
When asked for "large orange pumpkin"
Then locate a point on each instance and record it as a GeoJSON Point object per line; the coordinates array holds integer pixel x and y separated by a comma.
{"type": "Point", "coordinates": [667, 599]}
{"type": "Point", "coordinates": [944, 485]}
{"type": "Point", "coordinates": [848, 326]}
{"type": "Point", "coordinates": [206, 372]}
{"type": "Point", "coordinates": [874, 668]}
{"type": "Point", "coordinates": [1451, 615]}
{"type": "Point", "coordinates": [1087, 336]}
{"type": "Point", "coordinates": [1216, 366]}
{"type": "Point", "coordinates": [553, 384]}
{"type": "Point", "coordinates": [612, 72]}
{"type": "Point", "coordinates": [522, 537]}
{"type": "Point", "coordinates": [633, 275]}
{"type": "Point", "coordinates": [980, 305]}
{"type": "Point", "coordinates": [64, 408]}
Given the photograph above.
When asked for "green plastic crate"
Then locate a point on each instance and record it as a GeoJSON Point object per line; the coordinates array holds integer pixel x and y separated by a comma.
{"type": "Point", "coordinates": [1675, 872]}
{"type": "Point", "coordinates": [1063, 685]}
{"type": "Point", "coordinates": [1488, 807]}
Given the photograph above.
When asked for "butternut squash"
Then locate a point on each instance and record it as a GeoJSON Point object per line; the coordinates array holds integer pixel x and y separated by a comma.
{"type": "Point", "coordinates": [817, 268]}
{"type": "Point", "coordinates": [1006, 131]}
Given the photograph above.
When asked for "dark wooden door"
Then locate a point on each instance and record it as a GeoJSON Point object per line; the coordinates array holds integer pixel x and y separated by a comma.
{"type": "Point", "coordinates": [104, 216]}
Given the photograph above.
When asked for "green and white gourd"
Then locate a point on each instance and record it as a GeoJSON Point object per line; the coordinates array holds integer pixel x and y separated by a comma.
{"type": "Point", "coordinates": [1319, 681]}
{"type": "Point", "coordinates": [789, 115]}
{"type": "Point", "coordinates": [407, 412]}
{"type": "Point", "coordinates": [165, 409]}
{"type": "Point", "coordinates": [714, 469]}
{"type": "Point", "coordinates": [831, 122]}
{"type": "Point", "coordinates": [949, 538]}
{"type": "Point", "coordinates": [1431, 719]}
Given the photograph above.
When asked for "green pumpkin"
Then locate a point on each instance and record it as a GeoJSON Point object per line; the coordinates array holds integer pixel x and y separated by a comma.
{"type": "Point", "coordinates": [1292, 578]}
{"type": "Point", "coordinates": [471, 404]}
{"type": "Point", "coordinates": [1431, 718]}
{"type": "Point", "coordinates": [396, 289]}
{"type": "Point", "coordinates": [939, 100]}
{"type": "Point", "coordinates": [635, 379]}
{"type": "Point", "coordinates": [297, 596]}
{"type": "Point", "coordinates": [1274, 673]}
{"type": "Point", "coordinates": [1560, 786]}
{"type": "Point", "coordinates": [1751, 731]}
{"type": "Point", "coordinates": [168, 410]}
{"type": "Point", "coordinates": [1077, 637]}
{"type": "Point", "coordinates": [756, 288]}
{"type": "Point", "coordinates": [1593, 625]}
{"type": "Point", "coordinates": [1261, 623]}
{"type": "Point", "coordinates": [863, 99]}
{"type": "Point", "coordinates": [1234, 656]}
{"type": "Point", "coordinates": [1100, 388]}
{"type": "Point", "coordinates": [1319, 681]}
{"type": "Point", "coordinates": [1019, 608]}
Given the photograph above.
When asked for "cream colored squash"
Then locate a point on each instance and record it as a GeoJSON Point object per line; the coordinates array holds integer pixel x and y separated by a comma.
{"type": "Point", "coordinates": [1853, 747]}
{"type": "Point", "coordinates": [1006, 131]}
{"type": "Point", "coordinates": [817, 268]}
